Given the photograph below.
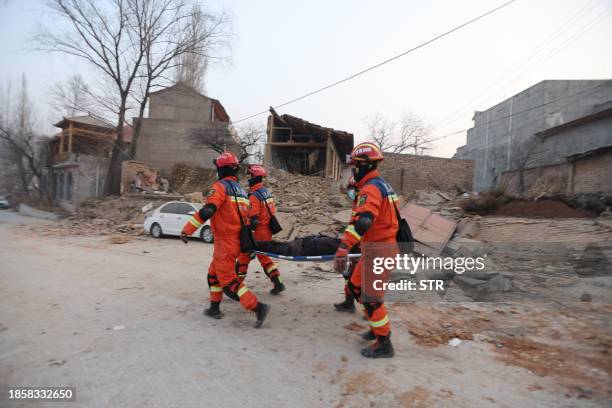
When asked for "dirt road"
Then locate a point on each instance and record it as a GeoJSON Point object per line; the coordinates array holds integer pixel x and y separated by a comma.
{"type": "Point", "coordinates": [124, 325]}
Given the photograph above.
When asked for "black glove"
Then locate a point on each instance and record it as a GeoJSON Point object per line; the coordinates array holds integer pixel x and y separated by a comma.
{"type": "Point", "coordinates": [254, 223]}
{"type": "Point", "coordinates": [184, 238]}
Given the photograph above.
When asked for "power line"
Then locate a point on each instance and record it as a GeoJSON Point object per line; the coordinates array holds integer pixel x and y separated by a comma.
{"type": "Point", "coordinates": [383, 62]}
{"type": "Point", "coordinates": [563, 28]}
{"type": "Point", "coordinates": [586, 93]}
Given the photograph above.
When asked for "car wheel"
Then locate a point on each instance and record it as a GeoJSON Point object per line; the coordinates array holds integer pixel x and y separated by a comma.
{"type": "Point", "coordinates": [206, 235]}
{"type": "Point", "coordinates": [156, 231]}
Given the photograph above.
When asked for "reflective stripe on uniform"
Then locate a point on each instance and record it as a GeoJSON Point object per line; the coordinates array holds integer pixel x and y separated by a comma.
{"type": "Point", "coordinates": [193, 221]}
{"type": "Point", "coordinates": [242, 291]}
{"type": "Point", "coordinates": [216, 289]}
{"type": "Point", "coordinates": [393, 198]}
{"type": "Point", "coordinates": [271, 267]}
{"type": "Point", "coordinates": [242, 200]}
{"type": "Point", "coordinates": [381, 322]}
{"type": "Point", "coordinates": [351, 230]}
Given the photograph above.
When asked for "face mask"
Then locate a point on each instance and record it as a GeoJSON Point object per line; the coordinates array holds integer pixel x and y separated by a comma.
{"type": "Point", "coordinates": [351, 193]}
{"type": "Point", "coordinates": [359, 172]}
{"type": "Point", "coordinates": [226, 171]}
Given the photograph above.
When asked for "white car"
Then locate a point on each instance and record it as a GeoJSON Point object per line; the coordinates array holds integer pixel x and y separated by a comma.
{"type": "Point", "coordinates": [170, 218]}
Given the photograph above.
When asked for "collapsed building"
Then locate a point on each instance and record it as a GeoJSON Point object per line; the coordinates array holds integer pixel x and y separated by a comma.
{"type": "Point", "coordinates": [299, 146]}
{"type": "Point", "coordinates": [555, 135]}
{"type": "Point", "coordinates": [78, 158]}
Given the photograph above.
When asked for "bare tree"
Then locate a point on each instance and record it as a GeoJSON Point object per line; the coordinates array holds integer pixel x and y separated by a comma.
{"type": "Point", "coordinates": [103, 34]}
{"type": "Point", "coordinates": [19, 140]}
{"type": "Point", "coordinates": [412, 133]}
{"type": "Point", "coordinates": [71, 96]}
{"type": "Point", "coordinates": [244, 142]}
{"type": "Point", "coordinates": [172, 34]}
{"type": "Point", "coordinates": [191, 66]}
{"type": "Point", "coordinates": [523, 152]}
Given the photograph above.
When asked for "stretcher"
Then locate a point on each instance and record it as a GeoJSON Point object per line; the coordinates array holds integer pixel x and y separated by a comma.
{"type": "Point", "coordinates": [311, 258]}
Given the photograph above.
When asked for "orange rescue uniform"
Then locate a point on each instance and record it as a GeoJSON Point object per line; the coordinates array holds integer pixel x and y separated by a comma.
{"type": "Point", "coordinates": [225, 225]}
{"type": "Point", "coordinates": [377, 198]}
{"type": "Point", "coordinates": [257, 195]}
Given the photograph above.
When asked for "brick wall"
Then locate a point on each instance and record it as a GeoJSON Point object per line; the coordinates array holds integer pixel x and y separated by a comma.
{"type": "Point", "coordinates": [553, 178]}
{"type": "Point", "coordinates": [407, 172]}
{"type": "Point", "coordinates": [593, 174]}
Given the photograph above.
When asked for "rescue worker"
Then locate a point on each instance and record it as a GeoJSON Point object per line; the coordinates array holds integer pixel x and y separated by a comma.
{"type": "Point", "coordinates": [348, 305]}
{"type": "Point", "coordinates": [374, 221]}
{"type": "Point", "coordinates": [262, 210]}
{"type": "Point", "coordinates": [224, 202]}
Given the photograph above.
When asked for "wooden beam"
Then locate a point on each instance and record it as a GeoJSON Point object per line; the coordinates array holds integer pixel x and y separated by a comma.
{"type": "Point", "coordinates": [70, 137]}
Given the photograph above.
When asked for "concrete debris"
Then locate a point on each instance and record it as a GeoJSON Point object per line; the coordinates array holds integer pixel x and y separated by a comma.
{"type": "Point", "coordinates": [343, 216]}
{"type": "Point", "coordinates": [498, 283]}
{"type": "Point", "coordinates": [307, 204]}
{"type": "Point", "coordinates": [443, 196]}
{"type": "Point", "coordinates": [137, 176]}
{"type": "Point", "coordinates": [466, 282]}
{"type": "Point", "coordinates": [427, 227]}
{"type": "Point", "coordinates": [467, 228]}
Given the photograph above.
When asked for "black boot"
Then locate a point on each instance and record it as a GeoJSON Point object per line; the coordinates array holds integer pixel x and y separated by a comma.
{"type": "Point", "coordinates": [213, 311]}
{"type": "Point", "coordinates": [278, 286]}
{"type": "Point", "coordinates": [347, 306]}
{"type": "Point", "coordinates": [368, 336]}
{"type": "Point", "coordinates": [261, 311]}
{"type": "Point", "coordinates": [382, 348]}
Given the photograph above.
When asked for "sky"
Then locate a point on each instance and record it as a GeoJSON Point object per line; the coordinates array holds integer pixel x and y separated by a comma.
{"type": "Point", "coordinates": [285, 49]}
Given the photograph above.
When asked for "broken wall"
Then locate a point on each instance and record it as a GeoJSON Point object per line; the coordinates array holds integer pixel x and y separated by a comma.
{"type": "Point", "coordinates": [591, 174]}
{"type": "Point", "coordinates": [408, 173]}
{"type": "Point", "coordinates": [164, 143]}
{"type": "Point", "coordinates": [547, 178]}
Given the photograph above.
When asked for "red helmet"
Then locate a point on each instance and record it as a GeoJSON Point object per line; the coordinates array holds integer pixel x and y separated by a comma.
{"type": "Point", "coordinates": [366, 152]}
{"type": "Point", "coordinates": [256, 170]}
{"type": "Point", "coordinates": [226, 159]}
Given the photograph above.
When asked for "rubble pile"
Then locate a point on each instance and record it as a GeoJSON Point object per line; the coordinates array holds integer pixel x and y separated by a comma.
{"type": "Point", "coordinates": [186, 178]}
{"type": "Point", "coordinates": [307, 205]}
{"type": "Point", "coordinates": [138, 177]}
{"type": "Point", "coordinates": [446, 204]}
{"type": "Point", "coordinates": [102, 216]}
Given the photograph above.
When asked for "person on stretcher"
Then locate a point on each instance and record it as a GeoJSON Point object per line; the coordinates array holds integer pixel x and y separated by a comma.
{"type": "Point", "coordinates": [312, 245]}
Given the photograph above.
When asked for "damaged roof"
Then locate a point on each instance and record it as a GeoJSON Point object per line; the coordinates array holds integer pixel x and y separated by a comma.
{"type": "Point", "coordinates": [343, 141]}
{"type": "Point", "coordinates": [84, 120]}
